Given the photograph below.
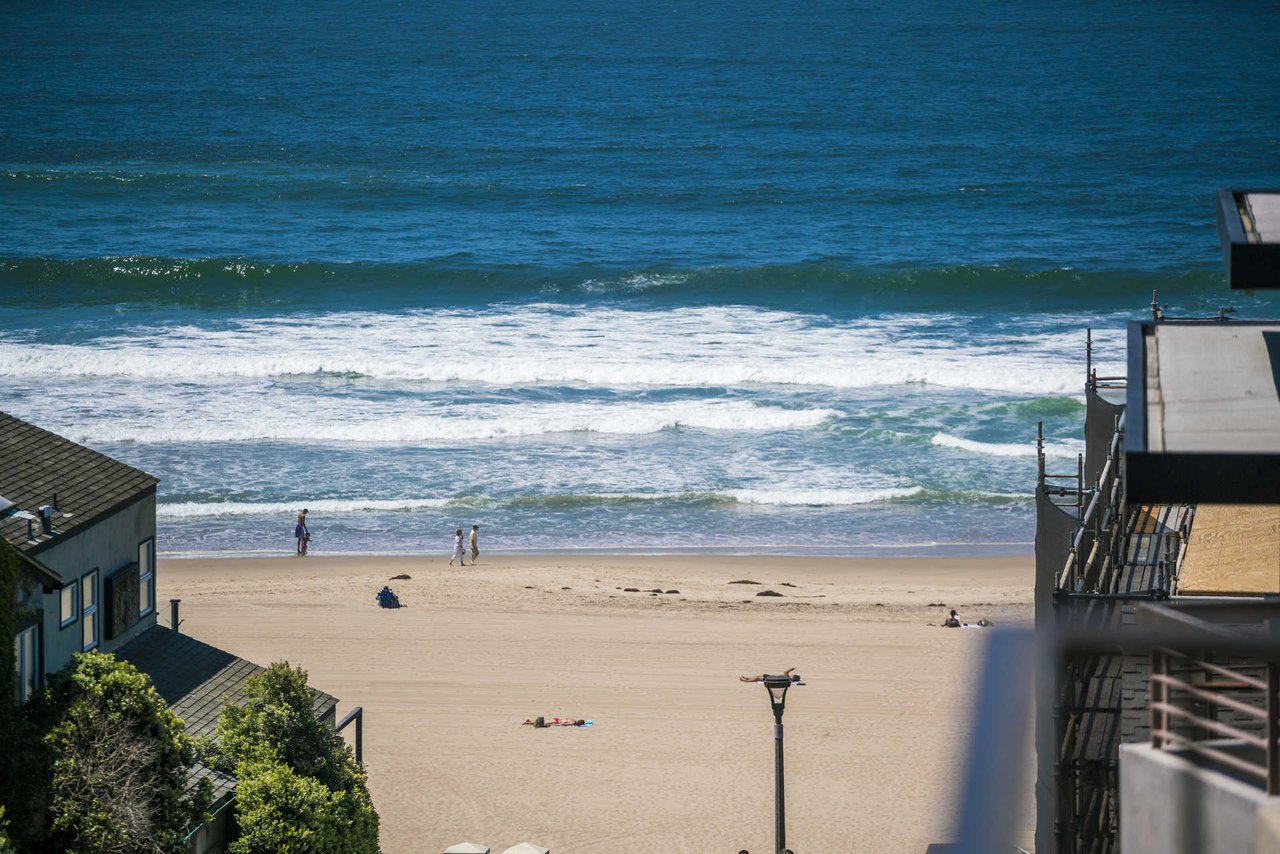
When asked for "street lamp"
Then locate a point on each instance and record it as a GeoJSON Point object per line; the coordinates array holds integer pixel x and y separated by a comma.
{"type": "Point", "coordinates": [777, 687]}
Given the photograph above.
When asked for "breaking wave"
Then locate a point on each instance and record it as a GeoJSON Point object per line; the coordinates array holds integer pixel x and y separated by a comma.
{"type": "Point", "coordinates": [456, 424]}
{"type": "Point", "coordinates": [1063, 448]}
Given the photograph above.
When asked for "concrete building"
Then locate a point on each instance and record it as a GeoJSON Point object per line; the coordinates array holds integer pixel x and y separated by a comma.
{"type": "Point", "coordinates": [1158, 585]}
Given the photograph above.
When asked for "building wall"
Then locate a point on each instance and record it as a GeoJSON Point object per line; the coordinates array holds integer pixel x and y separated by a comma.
{"type": "Point", "coordinates": [109, 546]}
{"type": "Point", "coordinates": [212, 837]}
{"type": "Point", "coordinates": [1135, 704]}
{"type": "Point", "coordinates": [1171, 806]}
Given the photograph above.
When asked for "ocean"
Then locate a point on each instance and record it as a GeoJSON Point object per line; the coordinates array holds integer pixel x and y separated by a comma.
{"type": "Point", "coordinates": [762, 278]}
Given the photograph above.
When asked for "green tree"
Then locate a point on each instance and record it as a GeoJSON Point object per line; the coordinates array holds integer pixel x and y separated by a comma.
{"type": "Point", "coordinates": [21, 793]}
{"type": "Point", "coordinates": [299, 786]}
{"type": "Point", "coordinates": [278, 721]}
{"type": "Point", "coordinates": [280, 810]}
{"type": "Point", "coordinates": [8, 629]}
{"type": "Point", "coordinates": [6, 847]}
{"type": "Point", "coordinates": [114, 761]}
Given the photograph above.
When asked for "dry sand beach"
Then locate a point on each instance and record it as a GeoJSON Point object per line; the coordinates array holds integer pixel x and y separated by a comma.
{"type": "Point", "coordinates": [680, 757]}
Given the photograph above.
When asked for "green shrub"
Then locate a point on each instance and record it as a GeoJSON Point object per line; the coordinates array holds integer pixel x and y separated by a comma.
{"type": "Point", "coordinates": [8, 628]}
{"type": "Point", "coordinates": [114, 762]}
{"type": "Point", "coordinates": [278, 722]}
{"type": "Point", "coordinates": [6, 847]}
{"type": "Point", "coordinates": [9, 722]}
{"type": "Point", "coordinates": [299, 786]}
{"type": "Point", "coordinates": [280, 810]}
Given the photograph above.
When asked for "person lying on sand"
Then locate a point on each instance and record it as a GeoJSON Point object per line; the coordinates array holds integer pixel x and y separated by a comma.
{"type": "Point", "coordinates": [953, 622]}
{"type": "Point", "coordinates": [543, 722]}
{"type": "Point", "coordinates": [760, 677]}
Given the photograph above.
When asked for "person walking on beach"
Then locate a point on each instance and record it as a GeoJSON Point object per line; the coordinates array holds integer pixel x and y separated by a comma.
{"type": "Point", "coordinates": [458, 554]}
{"type": "Point", "coordinates": [475, 543]}
{"type": "Point", "coordinates": [301, 534]}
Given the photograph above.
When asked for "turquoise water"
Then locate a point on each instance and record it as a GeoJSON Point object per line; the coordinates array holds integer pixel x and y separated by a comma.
{"type": "Point", "coordinates": [746, 277]}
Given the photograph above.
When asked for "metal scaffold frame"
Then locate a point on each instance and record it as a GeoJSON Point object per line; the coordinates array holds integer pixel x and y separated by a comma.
{"type": "Point", "coordinates": [1118, 555]}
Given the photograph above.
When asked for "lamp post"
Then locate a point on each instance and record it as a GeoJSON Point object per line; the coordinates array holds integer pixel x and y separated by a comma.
{"type": "Point", "coordinates": [777, 687]}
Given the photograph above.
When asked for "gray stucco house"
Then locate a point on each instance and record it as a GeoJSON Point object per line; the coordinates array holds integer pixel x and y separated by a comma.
{"type": "Point", "coordinates": [85, 527]}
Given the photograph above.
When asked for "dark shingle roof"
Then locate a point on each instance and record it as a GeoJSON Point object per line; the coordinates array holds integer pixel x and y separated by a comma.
{"type": "Point", "coordinates": [35, 465]}
{"type": "Point", "coordinates": [223, 784]}
{"type": "Point", "coordinates": [197, 679]}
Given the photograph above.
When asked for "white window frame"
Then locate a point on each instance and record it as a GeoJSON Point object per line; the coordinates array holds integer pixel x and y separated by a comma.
{"type": "Point", "coordinates": [64, 618]}
{"type": "Point", "coordinates": [147, 575]}
{"type": "Point", "coordinates": [28, 668]}
{"type": "Point", "coordinates": [90, 611]}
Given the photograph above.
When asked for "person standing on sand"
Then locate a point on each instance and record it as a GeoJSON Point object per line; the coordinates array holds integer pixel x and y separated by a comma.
{"type": "Point", "coordinates": [458, 553]}
{"type": "Point", "coordinates": [475, 543]}
{"type": "Point", "coordinates": [301, 534]}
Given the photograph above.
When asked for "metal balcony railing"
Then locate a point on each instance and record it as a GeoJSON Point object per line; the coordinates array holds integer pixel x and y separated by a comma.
{"type": "Point", "coordinates": [1189, 698]}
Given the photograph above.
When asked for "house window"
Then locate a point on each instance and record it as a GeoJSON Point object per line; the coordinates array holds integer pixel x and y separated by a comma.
{"type": "Point", "coordinates": [28, 665]}
{"type": "Point", "coordinates": [89, 610]}
{"type": "Point", "coordinates": [146, 577]}
{"type": "Point", "coordinates": [69, 610]}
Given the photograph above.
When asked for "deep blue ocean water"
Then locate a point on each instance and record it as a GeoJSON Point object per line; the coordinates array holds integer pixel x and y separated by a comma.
{"type": "Point", "coordinates": [756, 277]}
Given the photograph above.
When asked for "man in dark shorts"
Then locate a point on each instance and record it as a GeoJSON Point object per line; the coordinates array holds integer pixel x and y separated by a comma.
{"type": "Point", "coordinates": [301, 534]}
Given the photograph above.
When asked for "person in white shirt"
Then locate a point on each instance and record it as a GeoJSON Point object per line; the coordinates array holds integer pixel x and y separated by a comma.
{"type": "Point", "coordinates": [458, 554]}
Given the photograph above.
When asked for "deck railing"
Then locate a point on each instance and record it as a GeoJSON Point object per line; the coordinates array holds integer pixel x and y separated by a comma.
{"type": "Point", "coordinates": [1250, 691]}
{"type": "Point", "coordinates": [357, 715]}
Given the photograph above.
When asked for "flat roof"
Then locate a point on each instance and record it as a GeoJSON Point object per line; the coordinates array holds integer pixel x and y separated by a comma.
{"type": "Point", "coordinates": [1204, 412]}
{"type": "Point", "coordinates": [1264, 215]}
{"type": "Point", "coordinates": [1213, 388]}
{"type": "Point", "coordinates": [1249, 230]}
{"type": "Point", "coordinates": [1232, 550]}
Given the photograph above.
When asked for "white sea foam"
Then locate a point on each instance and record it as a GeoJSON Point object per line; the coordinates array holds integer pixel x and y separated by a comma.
{"type": "Point", "coordinates": [333, 507]}
{"type": "Point", "coordinates": [317, 506]}
{"type": "Point", "coordinates": [821, 497]}
{"type": "Point", "coordinates": [715, 346]}
{"type": "Point", "coordinates": [304, 420]}
{"type": "Point", "coordinates": [1065, 448]}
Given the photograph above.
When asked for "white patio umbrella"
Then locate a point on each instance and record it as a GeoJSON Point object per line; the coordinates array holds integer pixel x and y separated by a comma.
{"type": "Point", "coordinates": [527, 848]}
{"type": "Point", "coordinates": [467, 848]}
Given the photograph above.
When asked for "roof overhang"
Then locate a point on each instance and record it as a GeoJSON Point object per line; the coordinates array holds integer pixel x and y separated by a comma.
{"type": "Point", "coordinates": [1203, 412]}
{"type": "Point", "coordinates": [44, 574]}
{"type": "Point", "coordinates": [1249, 228]}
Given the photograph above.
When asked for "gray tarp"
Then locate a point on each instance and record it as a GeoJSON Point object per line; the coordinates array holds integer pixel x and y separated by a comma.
{"type": "Point", "coordinates": [1099, 426]}
{"type": "Point", "coordinates": [1055, 529]}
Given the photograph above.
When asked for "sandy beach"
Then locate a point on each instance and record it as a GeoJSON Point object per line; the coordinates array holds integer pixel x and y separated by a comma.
{"type": "Point", "coordinates": [680, 757]}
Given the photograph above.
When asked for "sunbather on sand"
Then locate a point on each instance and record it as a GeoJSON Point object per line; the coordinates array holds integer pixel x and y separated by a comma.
{"type": "Point", "coordinates": [760, 677]}
{"type": "Point", "coordinates": [543, 722]}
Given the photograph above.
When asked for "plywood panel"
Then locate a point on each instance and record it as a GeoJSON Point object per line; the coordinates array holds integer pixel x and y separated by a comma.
{"type": "Point", "coordinates": [1232, 549]}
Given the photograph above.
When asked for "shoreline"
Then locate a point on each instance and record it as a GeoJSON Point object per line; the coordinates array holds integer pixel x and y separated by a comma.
{"type": "Point", "coordinates": [680, 756]}
{"type": "Point", "coordinates": [912, 551]}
